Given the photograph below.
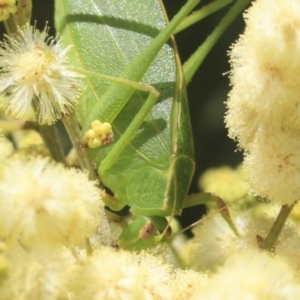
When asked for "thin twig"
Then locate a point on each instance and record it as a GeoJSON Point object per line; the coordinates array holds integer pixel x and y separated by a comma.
{"type": "Point", "coordinates": [270, 240]}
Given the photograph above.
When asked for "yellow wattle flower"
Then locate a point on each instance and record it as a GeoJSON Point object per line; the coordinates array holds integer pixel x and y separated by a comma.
{"type": "Point", "coordinates": [35, 70]}
{"type": "Point", "coordinates": [264, 105]}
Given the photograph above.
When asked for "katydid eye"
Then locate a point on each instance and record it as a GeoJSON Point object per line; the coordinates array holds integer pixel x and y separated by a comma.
{"type": "Point", "coordinates": [146, 231]}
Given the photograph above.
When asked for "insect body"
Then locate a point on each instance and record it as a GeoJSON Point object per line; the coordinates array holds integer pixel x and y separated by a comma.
{"type": "Point", "coordinates": [150, 165]}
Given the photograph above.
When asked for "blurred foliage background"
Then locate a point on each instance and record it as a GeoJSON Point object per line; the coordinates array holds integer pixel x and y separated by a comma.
{"type": "Point", "coordinates": [207, 92]}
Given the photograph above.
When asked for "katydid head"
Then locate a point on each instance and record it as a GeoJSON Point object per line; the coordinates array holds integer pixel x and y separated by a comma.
{"type": "Point", "coordinates": [144, 232]}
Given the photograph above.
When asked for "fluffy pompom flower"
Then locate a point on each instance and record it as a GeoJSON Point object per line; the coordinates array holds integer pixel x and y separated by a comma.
{"type": "Point", "coordinates": [42, 202]}
{"type": "Point", "coordinates": [209, 251]}
{"type": "Point", "coordinates": [7, 7]}
{"type": "Point", "coordinates": [229, 184]}
{"type": "Point", "coordinates": [266, 73]}
{"type": "Point", "coordinates": [110, 274]}
{"type": "Point", "coordinates": [264, 104]}
{"type": "Point", "coordinates": [188, 283]}
{"type": "Point", "coordinates": [37, 275]}
{"type": "Point", "coordinates": [252, 275]}
{"type": "Point", "coordinates": [34, 69]}
{"type": "Point", "coordinates": [273, 168]}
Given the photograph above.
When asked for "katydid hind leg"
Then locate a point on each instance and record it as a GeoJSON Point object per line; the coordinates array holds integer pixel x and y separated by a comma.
{"type": "Point", "coordinates": [110, 114]}
{"type": "Point", "coordinates": [128, 134]}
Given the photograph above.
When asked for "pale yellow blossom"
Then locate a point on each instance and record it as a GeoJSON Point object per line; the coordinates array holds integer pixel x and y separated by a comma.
{"type": "Point", "coordinates": [214, 241]}
{"type": "Point", "coordinates": [252, 275]}
{"type": "Point", "coordinates": [264, 105]}
{"type": "Point", "coordinates": [42, 202]}
{"type": "Point", "coordinates": [35, 70]}
{"type": "Point", "coordinates": [36, 274]}
{"type": "Point", "coordinates": [228, 183]}
{"type": "Point", "coordinates": [188, 284]}
{"type": "Point", "coordinates": [273, 168]}
{"type": "Point", "coordinates": [265, 73]}
{"type": "Point", "coordinates": [117, 274]}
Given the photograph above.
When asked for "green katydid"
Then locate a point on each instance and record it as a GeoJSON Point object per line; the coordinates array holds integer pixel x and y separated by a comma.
{"type": "Point", "coordinates": [150, 165]}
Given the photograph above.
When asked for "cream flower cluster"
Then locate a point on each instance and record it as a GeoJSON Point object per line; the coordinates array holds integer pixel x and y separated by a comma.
{"type": "Point", "coordinates": [43, 203]}
{"type": "Point", "coordinates": [229, 184]}
{"type": "Point", "coordinates": [47, 211]}
{"type": "Point", "coordinates": [34, 69]}
{"type": "Point", "coordinates": [264, 103]}
{"type": "Point", "coordinates": [224, 256]}
{"type": "Point", "coordinates": [257, 275]}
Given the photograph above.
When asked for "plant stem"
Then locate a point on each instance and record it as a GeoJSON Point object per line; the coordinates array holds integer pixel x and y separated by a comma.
{"type": "Point", "coordinates": [50, 138]}
{"type": "Point", "coordinates": [201, 14]}
{"type": "Point", "coordinates": [277, 226]}
{"type": "Point", "coordinates": [193, 63]}
{"type": "Point", "coordinates": [72, 127]}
